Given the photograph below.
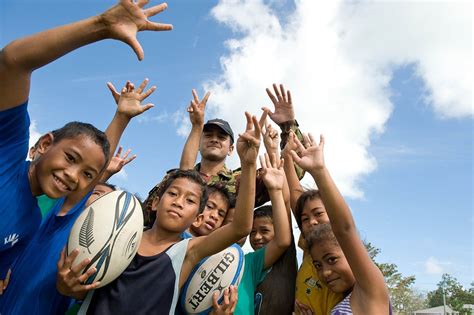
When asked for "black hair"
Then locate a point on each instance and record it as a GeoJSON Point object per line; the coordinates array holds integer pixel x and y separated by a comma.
{"type": "Point", "coordinates": [159, 190]}
{"type": "Point", "coordinates": [264, 211]}
{"type": "Point", "coordinates": [75, 129]}
{"type": "Point", "coordinates": [300, 203]}
{"type": "Point", "coordinates": [321, 233]}
{"type": "Point", "coordinates": [220, 188]}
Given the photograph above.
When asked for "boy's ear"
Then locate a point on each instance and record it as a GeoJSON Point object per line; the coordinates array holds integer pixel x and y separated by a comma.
{"type": "Point", "coordinates": [45, 143]}
{"type": "Point", "coordinates": [154, 203]}
{"type": "Point", "coordinates": [199, 219]}
{"type": "Point", "coordinates": [231, 149]}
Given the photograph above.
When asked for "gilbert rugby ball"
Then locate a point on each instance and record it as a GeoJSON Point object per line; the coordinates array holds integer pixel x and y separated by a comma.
{"type": "Point", "coordinates": [214, 273]}
{"type": "Point", "coordinates": [108, 232]}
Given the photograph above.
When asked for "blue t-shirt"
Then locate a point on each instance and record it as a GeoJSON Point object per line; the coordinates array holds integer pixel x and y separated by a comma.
{"type": "Point", "coordinates": [19, 212]}
{"type": "Point", "coordinates": [32, 287]}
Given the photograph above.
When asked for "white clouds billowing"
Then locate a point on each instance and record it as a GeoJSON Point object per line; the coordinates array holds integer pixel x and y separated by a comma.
{"type": "Point", "coordinates": [337, 58]}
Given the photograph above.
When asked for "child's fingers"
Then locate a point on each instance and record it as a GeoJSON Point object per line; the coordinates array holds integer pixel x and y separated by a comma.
{"type": "Point", "coordinates": [321, 140]}
{"type": "Point", "coordinates": [268, 162]}
{"type": "Point", "coordinates": [133, 157]}
{"type": "Point", "coordinates": [215, 297]}
{"type": "Point", "coordinates": [142, 86]}
{"type": "Point", "coordinates": [289, 96]}
{"type": "Point", "coordinates": [205, 98]}
{"type": "Point", "coordinates": [295, 157]}
{"type": "Point", "coordinates": [249, 121]}
{"type": "Point", "coordinates": [77, 269]}
{"type": "Point", "coordinates": [146, 107]}
{"type": "Point", "coordinates": [135, 45]}
{"type": "Point", "coordinates": [256, 125]}
{"type": "Point", "coordinates": [147, 93]}
{"type": "Point", "coordinates": [125, 155]}
{"type": "Point", "coordinates": [83, 278]}
{"type": "Point", "coordinates": [115, 94]}
{"type": "Point", "coordinates": [195, 96]}
{"type": "Point", "coordinates": [70, 259]}
{"type": "Point", "coordinates": [62, 258]}
{"type": "Point", "coordinates": [142, 3]}
{"type": "Point", "coordinates": [271, 96]}
{"type": "Point", "coordinates": [154, 10]}
{"type": "Point", "coordinates": [262, 163]}
{"type": "Point", "coordinates": [226, 298]}
{"type": "Point", "coordinates": [263, 119]}
{"type": "Point", "coordinates": [233, 298]}
{"type": "Point", "coordinates": [119, 151]}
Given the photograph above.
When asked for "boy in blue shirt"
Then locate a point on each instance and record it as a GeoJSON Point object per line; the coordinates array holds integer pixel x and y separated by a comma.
{"type": "Point", "coordinates": [65, 166]}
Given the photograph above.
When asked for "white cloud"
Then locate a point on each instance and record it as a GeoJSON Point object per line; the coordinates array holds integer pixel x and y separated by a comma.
{"type": "Point", "coordinates": [337, 58]}
{"type": "Point", "coordinates": [34, 133]}
{"type": "Point", "coordinates": [433, 266]}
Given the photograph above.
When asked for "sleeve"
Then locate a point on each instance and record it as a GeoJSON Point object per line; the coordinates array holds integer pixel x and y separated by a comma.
{"type": "Point", "coordinates": [14, 137]}
{"type": "Point", "coordinates": [285, 130]}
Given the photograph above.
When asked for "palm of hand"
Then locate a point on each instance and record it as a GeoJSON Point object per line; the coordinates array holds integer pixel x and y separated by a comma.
{"type": "Point", "coordinates": [283, 112]}
{"type": "Point", "coordinates": [124, 20]}
{"type": "Point", "coordinates": [129, 104]}
{"type": "Point", "coordinates": [248, 150]}
{"type": "Point", "coordinates": [115, 165]}
{"type": "Point", "coordinates": [312, 158]}
{"type": "Point", "coordinates": [273, 178]}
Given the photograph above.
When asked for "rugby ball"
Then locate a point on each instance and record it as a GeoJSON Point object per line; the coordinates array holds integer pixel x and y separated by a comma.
{"type": "Point", "coordinates": [214, 273]}
{"type": "Point", "coordinates": [108, 232]}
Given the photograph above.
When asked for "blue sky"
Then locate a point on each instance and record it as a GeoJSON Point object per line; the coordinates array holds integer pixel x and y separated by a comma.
{"type": "Point", "coordinates": [389, 85]}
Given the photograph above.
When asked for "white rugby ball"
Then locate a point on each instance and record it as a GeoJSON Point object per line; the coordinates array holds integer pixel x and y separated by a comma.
{"type": "Point", "coordinates": [214, 273]}
{"type": "Point", "coordinates": [108, 232]}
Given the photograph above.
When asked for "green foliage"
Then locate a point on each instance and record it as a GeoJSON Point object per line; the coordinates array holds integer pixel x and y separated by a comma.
{"type": "Point", "coordinates": [403, 296]}
{"type": "Point", "coordinates": [456, 295]}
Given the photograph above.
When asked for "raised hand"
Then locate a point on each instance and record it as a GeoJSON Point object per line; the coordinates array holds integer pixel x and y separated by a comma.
{"type": "Point", "coordinates": [272, 172]}
{"type": "Point", "coordinates": [302, 308]}
{"type": "Point", "coordinates": [310, 158]}
{"type": "Point", "coordinates": [196, 109]}
{"type": "Point", "coordinates": [290, 144]}
{"type": "Point", "coordinates": [229, 301]}
{"type": "Point", "coordinates": [126, 18]}
{"type": "Point", "coordinates": [129, 100]}
{"type": "Point", "coordinates": [118, 161]}
{"type": "Point", "coordinates": [271, 140]}
{"type": "Point", "coordinates": [283, 105]}
{"type": "Point", "coordinates": [248, 143]}
{"type": "Point", "coordinates": [69, 280]}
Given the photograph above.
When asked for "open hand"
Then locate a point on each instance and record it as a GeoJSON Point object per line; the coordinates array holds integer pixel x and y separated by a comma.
{"type": "Point", "coordinates": [126, 18]}
{"type": "Point", "coordinates": [273, 174]}
{"type": "Point", "coordinates": [129, 100]}
{"type": "Point", "coordinates": [69, 280]}
{"type": "Point", "coordinates": [118, 161]}
{"type": "Point", "coordinates": [283, 105]}
{"type": "Point", "coordinates": [196, 109]}
{"type": "Point", "coordinates": [311, 157]}
{"type": "Point", "coordinates": [248, 143]}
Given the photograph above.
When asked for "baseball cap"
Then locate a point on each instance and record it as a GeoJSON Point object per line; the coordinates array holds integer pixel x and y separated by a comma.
{"type": "Point", "coordinates": [222, 124]}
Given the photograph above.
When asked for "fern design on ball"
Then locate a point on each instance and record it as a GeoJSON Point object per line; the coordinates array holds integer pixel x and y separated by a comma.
{"type": "Point", "coordinates": [86, 236]}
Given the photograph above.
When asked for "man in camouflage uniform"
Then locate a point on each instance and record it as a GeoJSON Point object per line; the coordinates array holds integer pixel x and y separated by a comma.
{"type": "Point", "coordinates": [215, 139]}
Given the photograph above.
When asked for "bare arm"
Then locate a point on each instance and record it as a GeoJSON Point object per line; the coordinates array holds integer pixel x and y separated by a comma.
{"type": "Point", "coordinates": [274, 179]}
{"type": "Point", "coordinates": [196, 116]}
{"type": "Point", "coordinates": [295, 189]}
{"type": "Point", "coordinates": [368, 277]}
{"type": "Point", "coordinates": [200, 247]}
{"type": "Point", "coordinates": [21, 57]}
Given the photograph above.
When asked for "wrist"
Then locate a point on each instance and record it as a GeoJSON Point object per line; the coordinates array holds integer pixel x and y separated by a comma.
{"type": "Point", "coordinates": [123, 117]}
{"type": "Point", "coordinates": [286, 126]}
{"type": "Point", "coordinates": [318, 171]}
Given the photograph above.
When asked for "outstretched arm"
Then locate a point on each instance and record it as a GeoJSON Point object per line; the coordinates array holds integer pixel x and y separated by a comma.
{"type": "Point", "coordinates": [295, 189]}
{"type": "Point", "coordinates": [21, 57]}
{"type": "Point", "coordinates": [196, 116]}
{"type": "Point", "coordinates": [368, 276]}
{"type": "Point", "coordinates": [274, 179]}
{"type": "Point", "coordinates": [200, 247]}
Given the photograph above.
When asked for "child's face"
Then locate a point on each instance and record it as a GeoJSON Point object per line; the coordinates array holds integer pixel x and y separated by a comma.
{"type": "Point", "coordinates": [313, 214]}
{"type": "Point", "coordinates": [179, 205]}
{"type": "Point", "coordinates": [99, 190]}
{"type": "Point", "coordinates": [262, 232]}
{"type": "Point", "coordinates": [67, 166]}
{"type": "Point", "coordinates": [213, 215]}
{"type": "Point", "coordinates": [215, 144]}
{"type": "Point", "coordinates": [332, 266]}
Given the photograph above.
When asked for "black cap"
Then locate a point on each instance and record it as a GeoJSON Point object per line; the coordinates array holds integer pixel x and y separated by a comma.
{"type": "Point", "coordinates": [222, 124]}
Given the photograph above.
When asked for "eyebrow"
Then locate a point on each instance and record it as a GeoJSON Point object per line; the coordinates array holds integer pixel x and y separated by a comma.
{"type": "Point", "coordinates": [328, 254]}
{"type": "Point", "coordinates": [79, 157]}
